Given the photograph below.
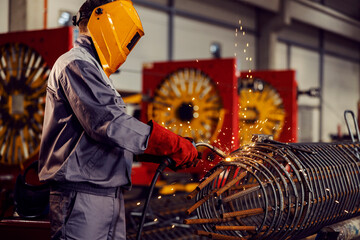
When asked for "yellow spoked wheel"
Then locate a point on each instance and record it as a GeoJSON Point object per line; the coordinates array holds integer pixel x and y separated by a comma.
{"type": "Point", "coordinates": [23, 76]}
{"type": "Point", "coordinates": [261, 110]}
{"type": "Point", "coordinates": [188, 103]}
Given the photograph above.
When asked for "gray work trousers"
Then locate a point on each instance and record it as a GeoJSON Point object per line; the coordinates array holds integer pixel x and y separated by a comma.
{"type": "Point", "coordinates": [82, 215]}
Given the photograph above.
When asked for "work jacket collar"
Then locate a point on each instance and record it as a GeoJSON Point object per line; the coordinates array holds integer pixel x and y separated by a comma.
{"type": "Point", "coordinates": [86, 42]}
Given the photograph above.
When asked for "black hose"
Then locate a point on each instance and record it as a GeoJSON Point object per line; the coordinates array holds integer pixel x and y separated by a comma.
{"type": "Point", "coordinates": [164, 164]}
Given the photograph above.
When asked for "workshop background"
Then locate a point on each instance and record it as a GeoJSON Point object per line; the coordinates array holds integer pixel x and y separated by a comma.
{"type": "Point", "coordinates": [304, 54]}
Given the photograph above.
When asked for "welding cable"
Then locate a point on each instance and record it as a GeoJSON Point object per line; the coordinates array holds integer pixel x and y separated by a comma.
{"type": "Point", "coordinates": [166, 162]}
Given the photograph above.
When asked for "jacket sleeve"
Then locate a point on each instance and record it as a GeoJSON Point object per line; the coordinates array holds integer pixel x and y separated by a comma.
{"type": "Point", "coordinates": [100, 110]}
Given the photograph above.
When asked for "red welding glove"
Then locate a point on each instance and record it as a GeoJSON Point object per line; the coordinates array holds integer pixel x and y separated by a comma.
{"type": "Point", "coordinates": [163, 142]}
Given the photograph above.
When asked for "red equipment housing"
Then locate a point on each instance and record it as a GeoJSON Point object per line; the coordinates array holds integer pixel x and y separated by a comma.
{"type": "Point", "coordinates": [285, 84]}
{"type": "Point", "coordinates": [222, 73]}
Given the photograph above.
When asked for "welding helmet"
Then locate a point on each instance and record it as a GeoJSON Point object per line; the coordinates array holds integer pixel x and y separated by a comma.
{"type": "Point", "coordinates": [115, 28]}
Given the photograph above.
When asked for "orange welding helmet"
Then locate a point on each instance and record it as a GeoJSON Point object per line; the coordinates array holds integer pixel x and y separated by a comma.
{"type": "Point", "coordinates": [115, 28]}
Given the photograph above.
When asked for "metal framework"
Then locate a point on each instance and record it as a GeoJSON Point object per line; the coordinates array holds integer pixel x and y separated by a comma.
{"type": "Point", "coordinates": [272, 190]}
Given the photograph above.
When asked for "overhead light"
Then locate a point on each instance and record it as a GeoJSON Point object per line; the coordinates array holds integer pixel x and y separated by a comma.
{"type": "Point", "coordinates": [215, 50]}
{"type": "Point", "coordinates": [65, 19]}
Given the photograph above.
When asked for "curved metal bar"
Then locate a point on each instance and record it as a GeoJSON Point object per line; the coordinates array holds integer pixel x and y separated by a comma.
{"type": "Point", "coordinates": [273, 190]}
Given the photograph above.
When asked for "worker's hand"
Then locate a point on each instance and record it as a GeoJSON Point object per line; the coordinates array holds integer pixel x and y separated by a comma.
{"type": "Point", "coordinates": [163, 142]}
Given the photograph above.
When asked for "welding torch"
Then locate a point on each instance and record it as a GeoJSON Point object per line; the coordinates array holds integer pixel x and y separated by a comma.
{"type": "Point", "coordinates": [168, 162]}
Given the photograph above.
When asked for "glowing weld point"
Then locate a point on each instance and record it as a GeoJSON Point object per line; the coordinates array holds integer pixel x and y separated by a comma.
{"type": "Point", "coordinates": [138, 203]}
{"type": "Point", "coordinates": [228, 159]}
{"type": "Point", "coordinates": [169, 109]}
{"type": "Point", "coordinates": [173, 226]}
{"type": "Point", "coordinates": [159, 197]}
{"type": "Point", "coordinates": [155, 220]}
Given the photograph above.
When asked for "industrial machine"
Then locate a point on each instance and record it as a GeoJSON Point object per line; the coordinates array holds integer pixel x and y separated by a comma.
{"type": "Point", "coordinates": [25, 62]}
{"type": "Point", "coordinates": [196, 99]}
{"type": "Point", "coordinates": [268, 105]}
{"type": "Point", "coordinates": [192, 98]}
{"type": "Point", "coordinates": [205, 100]}
{"type": "Point", "coordinates": [273, 190]}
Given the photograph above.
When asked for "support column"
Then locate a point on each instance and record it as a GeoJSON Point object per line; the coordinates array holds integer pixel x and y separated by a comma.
{"type": "Point", "coordinates": [171, 4]}
{"type": "Point", "coordinates": [269, 25]}
{"type": "Point", "coordinates": [17, 13]}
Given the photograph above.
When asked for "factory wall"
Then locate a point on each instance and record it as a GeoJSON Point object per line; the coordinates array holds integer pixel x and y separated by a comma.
{"type": "Point", "coordinates": [341, 92]}
{"type": "Point", "coordinates": [321, 60]}
{"type": "Point", "coordinates": [297, 48]}
{"type": "Point", "coordinates": [4, 16]}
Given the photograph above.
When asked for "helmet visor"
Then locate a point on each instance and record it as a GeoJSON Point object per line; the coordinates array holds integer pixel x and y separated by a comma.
{"type": "Point", "coordinates": [115, 29]}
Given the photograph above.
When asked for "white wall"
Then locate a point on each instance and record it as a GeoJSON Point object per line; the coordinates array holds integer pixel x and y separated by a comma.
{"type": "Point", "coordinates": [193, 40]}
{"type": "Point", "coordinates": [306, 65]}
{"type": "Point", "coordinates": [4, 16]}
{"type": "Point", "coordinates": [226, 11]}
{"type": "Point", "coordinates": [281, 56]}
{"type": "Point", "coordinates": [341, 92]}
{"type": "Point", "coordinates": [55, 7]}
{"type": "Point", "coordinates": [34, 14]}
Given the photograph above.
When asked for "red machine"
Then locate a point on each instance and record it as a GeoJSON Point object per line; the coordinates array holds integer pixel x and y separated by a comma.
{"type": "Point", "coordinates": [25, 62]}
{"type": "Point", "coordinates": [26, 59]}
{"type": "Point", "coordinates": [204, 100]}
{"type": "Point", "coordinates": [50, 44]}
{"type": "Point", "coordinates": [268, 105]}
{"type": "Point", "coordinates": [196, 99]}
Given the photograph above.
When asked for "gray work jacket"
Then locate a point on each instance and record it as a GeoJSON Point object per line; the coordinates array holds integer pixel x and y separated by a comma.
{"type": "Point", "coordinates": [87, 135]}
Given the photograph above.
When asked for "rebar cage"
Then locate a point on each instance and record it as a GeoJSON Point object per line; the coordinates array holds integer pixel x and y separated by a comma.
{"type": "Point", "coordinates": [272, 190]}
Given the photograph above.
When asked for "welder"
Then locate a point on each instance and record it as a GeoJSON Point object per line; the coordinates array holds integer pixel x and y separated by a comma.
{"type": "Point", "coordinates": [88, 141]}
